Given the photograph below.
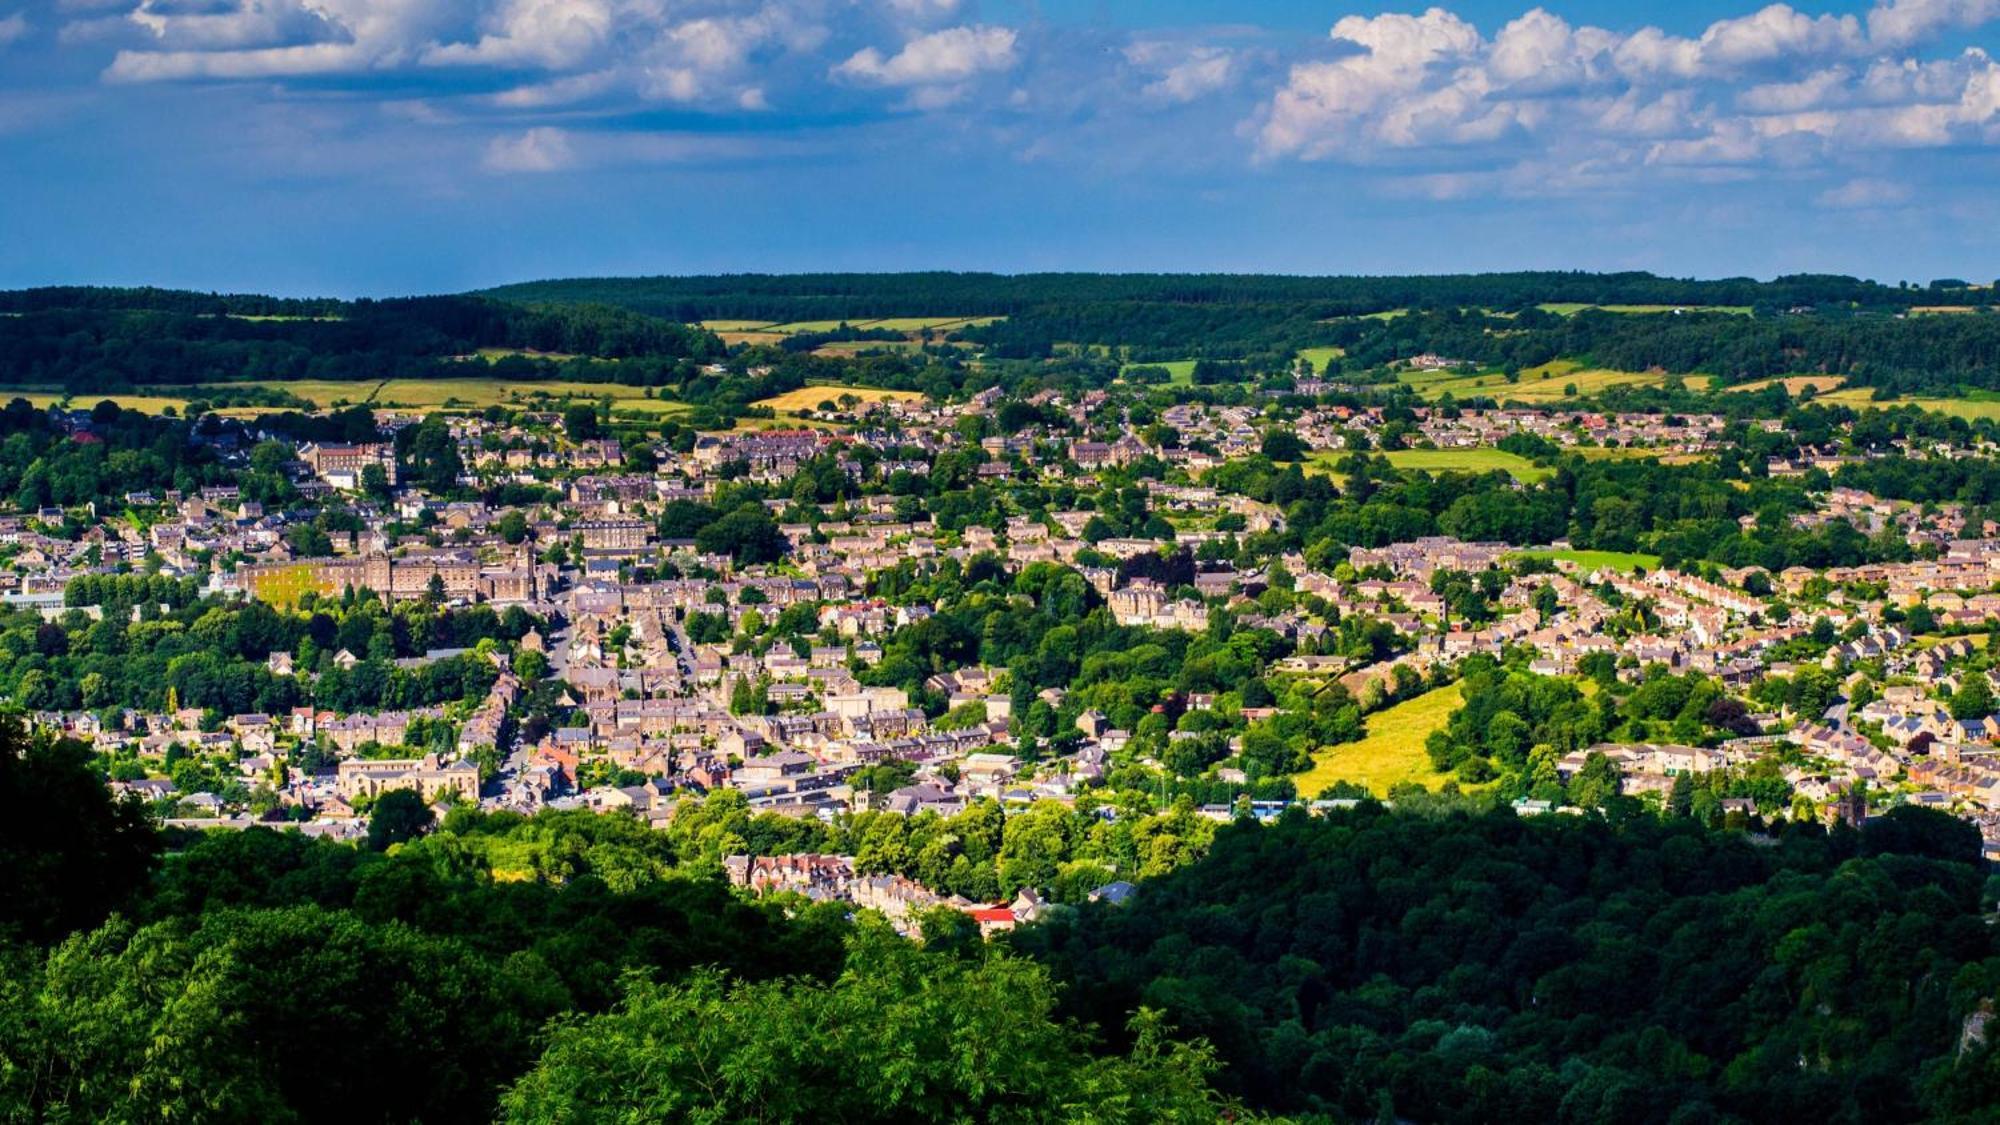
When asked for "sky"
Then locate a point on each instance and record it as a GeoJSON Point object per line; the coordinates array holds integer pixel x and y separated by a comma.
{"type": "Point", "coordinates": [381, 147]}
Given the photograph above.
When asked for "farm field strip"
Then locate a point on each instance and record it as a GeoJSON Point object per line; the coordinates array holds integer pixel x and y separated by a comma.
{"type": "Point", "coordinates": [809, 397]}
{"type": "Point", "coordinates": [1477, 460]}
{"type": "Point", "coordinates": [1626, 561]}
{"type": "Point", "coordinates": [1390, 752]}
{"type": "Point", "coordinates": [1571, 308]}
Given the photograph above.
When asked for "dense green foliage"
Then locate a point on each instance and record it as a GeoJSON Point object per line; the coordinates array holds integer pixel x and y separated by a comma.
{"type": "Point", "coordinates": [899, 1035]}
{"type": "Point", "coordinates": [70, 852]}
{"type": "Point", "coordinates": [211, 654]}
{"type": "Point", "coordinates": [1515, 725]}
{"type": "Point", "coordinates": [1494, 319]}
{"type": "Point", "coordinates": [1899, 354]}
{"type": "Point", "coordinates": [1486, 968]}
{"type": "Point", "coordinates": [267, 977]}
{"type": "Point", "coordinates": [42, 465]}
{"type": "Point", "coordinates": [101, 339]}
{"type": "Point", "coordinates": [794, 297]}
{"type": "Point", "coordinates": [1427, 963]}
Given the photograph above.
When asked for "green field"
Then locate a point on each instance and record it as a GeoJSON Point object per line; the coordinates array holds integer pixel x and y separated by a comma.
{"type": "Point", "coordinates": [919, 323]}
{"type": "Point", "coordinates": [1571, 308]}
{"type": "Point", "coordinates": [1547, 383]}
{"type": "Point", "coordinates": [1317, 357]}
{"type": "Point", "coordinates": [1793, 384]}
{"type": "Point", "coordinates": [1392, 750]}
{"type": "Point", "coordinates": [1480, 460]}
{"type": "Point", "coordinates": [462, 394]}
{"type": "Point", "coordinates": [809, 397]}
{"type": "Point", "coordinates": [491, 354]}
{"type": "Point", "coordinates": [892, 323]}
{"type": "Point", "coordinates": [1627, 561]}
{"type": "Point", "coordinates": [44, 398]}
{"type": "Point", "coordinates": [1863, 398]}
{"type": "Point", "coordinates": [1181, 370]}
{"type": "Point", "coordinates": [1613, 453]}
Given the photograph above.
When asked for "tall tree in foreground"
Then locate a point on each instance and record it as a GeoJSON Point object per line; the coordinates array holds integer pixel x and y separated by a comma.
{"type": "Point", "coordinates": [901, 1035]}
{"type": "Point", "coordinates": [69, 852]}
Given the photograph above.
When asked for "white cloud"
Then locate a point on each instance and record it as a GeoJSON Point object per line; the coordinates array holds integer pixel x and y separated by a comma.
{"type": "Point", "coordinates": [1905, 23]}
{"type": "Point", "coordinates": [1860, 193]}
{"type": "Point", "coordinates": [13, 29]}
{"type": "Point", "coordinates": [558, 92]}
{"type": "Point", "coordinates": [541, 149]}
{"type": "Point", "coordinates": [1815, 89]}
{"type": "Point", "coordinates": [1777, 32]}
{"type": "Point", "coordinates": [1774, 86]}
{"type": "Point", "coordinates": [952, 55]}
{"type": "Point", "coordinates": [267, 62]}
{"type": "Point", "coordinates": [924, 9]}
{"type": "Point", "coordinates": [552, 34]}
{"type": "Point", "coordinates": [282, 38]}
{"type": "Point", "coordinates": [1176, 73]}
{"type": "Point", "coordinates": [1329, 107]}
{"type": "Point", "coordinates": [733, 55]}
{"type": "Point", "coordinates": [1201, 74]}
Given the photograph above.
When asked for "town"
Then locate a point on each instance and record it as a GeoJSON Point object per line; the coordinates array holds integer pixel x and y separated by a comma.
{"type": "Point", "coordinates": [658, 621]}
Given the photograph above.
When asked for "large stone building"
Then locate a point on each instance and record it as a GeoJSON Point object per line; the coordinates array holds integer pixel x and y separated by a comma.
{"type": "Point", "coordinates": [341, 465]}
{"type": "Point", "coordinates": [430, 778]}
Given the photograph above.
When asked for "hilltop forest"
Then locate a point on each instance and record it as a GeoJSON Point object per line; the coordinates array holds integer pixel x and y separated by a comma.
{"type": "Point", "coordinates": [644, 331]}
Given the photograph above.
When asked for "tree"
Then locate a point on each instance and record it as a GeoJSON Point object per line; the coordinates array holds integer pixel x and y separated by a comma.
{"type": "Point", "coordinates": [1973, 699]}
{"type": "Point", "coordinates": [901, 1035]}
{"type": "Point", "coordinates": [428, 455]}
{"type": "Point", "coordinates": [749, 535]}
{"type": "Point", "coordinates": [1680, 799]}
{"type": "Point", "coordinates": [400, 815]}
{"type": "Point", "coordinates": [531, 665]}
{"type": "Point", "coordinates": [1282, 445]}
{"type": "Point", "coordinates": [580, 422]}
{"type": "Point", "coordinates": [512, 526]}
{"type": "Point", "coordinates": [1595, 784]}
{"type": "Point", "coordinates": [71, 854]}
{"type": "Point", "coordinates": [749, 697]}
{"type": "Point", "coordinates": [308, 540]}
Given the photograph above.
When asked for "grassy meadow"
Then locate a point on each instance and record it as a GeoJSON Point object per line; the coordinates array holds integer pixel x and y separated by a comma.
{"type": "Point", "coordinates": [1542, 385]}
{"type": "Point", "coordinates": [1571, 308]}
{"type": "Point", "coordinates": [1478, 460]}
{"type": "Point", "coordinates": [808, 398]}
{"type": "Point", "coordinates": [1627, 561]}
{"type": "Point", "coordinates": [144, 403]}
{"type": "Point", "coordinates": [1318, 357]}
{"type": "Point", "coordinates": [1180, 371]}
{"type": "Point", "coordinates": [1390, 752]}
{"type": "Point", "coordinates": [1863, 398]}
{"type": "Point", "coordinates": [1794, 384]}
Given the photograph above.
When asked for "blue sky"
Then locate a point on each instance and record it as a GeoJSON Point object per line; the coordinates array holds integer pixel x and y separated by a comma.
{"type": "Point", "coordinates": [393, 146]}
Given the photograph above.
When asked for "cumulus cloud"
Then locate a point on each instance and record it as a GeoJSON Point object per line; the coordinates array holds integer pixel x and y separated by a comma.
{"type": "Point", "coordinates": [1775, 86]}
{"type": "Point", "coordinates": [544, 33]}
{"type": "Point", "coordinates": [952, 55]}
{"type": "Point", "coordinates": [1863, 193]}
{"type": "Point", "coordinates": [1447, 107]}
{"type": "Point", "coordinates": [1905, 23]}
{"type": "Point", "coordinates": [541, 149]}
{"type": "Point", "coordinates": [247, 39]}
{"type": "Point", "coordinates": [711, 53]}
{"type": "Point", "coordinates": [1179, 73]}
